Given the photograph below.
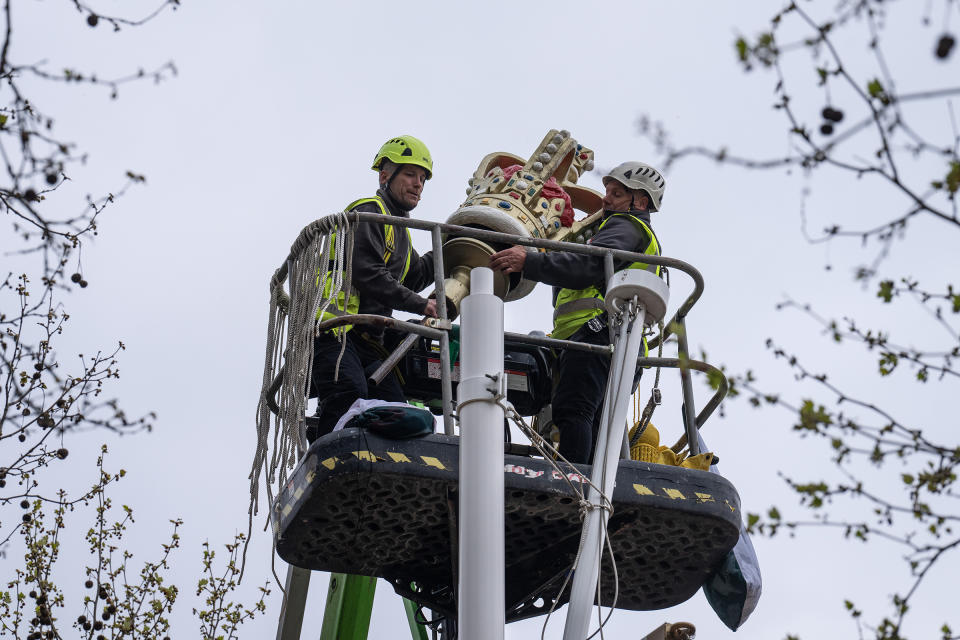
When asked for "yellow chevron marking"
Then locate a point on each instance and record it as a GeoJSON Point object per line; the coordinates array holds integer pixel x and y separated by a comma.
{"type": "Point", "coordinates": [398, 457]}
{"type": "Point", "coordinates": [674, 494]}
{"type": "Point", "coordinates": [642, 490]}
{"type": "Point", "coordinates": [433, 462]}
{"type": "Point", "coordinates": [704, 497]}
{"type": "Point", "coordinates": [365, 455]}
{"type": "Point", "coordinates": [329, 463]}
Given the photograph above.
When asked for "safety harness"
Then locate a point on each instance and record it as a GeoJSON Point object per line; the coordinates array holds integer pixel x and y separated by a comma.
{"type": "Point", "coordinates": [352, 305]}
{"type": "Point", "coordinates": [576, 307]}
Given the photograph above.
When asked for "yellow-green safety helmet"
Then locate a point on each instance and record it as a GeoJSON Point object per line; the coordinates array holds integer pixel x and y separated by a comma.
{"type": "Point", "coordinates": [405, 150]}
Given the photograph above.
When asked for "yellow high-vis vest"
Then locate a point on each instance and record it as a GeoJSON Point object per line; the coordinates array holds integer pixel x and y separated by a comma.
{"type": "Point", "coordinates": [575, 307]}
{"type": "Point", "coordinates": [325, 283]}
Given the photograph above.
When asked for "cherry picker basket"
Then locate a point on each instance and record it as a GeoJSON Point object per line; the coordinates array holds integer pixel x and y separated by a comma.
{"type": "Point", "coordinates": [362, 504]}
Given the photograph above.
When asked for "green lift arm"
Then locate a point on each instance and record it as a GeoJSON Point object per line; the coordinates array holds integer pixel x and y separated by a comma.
{"type": "Point", "coordinates": [349, 606]}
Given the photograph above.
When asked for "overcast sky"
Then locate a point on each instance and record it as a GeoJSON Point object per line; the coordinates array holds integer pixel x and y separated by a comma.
{"type": "Point", "coordinates": [272, 122]}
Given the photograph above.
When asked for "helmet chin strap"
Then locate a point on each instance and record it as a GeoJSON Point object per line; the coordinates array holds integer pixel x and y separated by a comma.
{"type": "Point", "coordinates": [389, 194]}
{"type": "Point", "coordinates": [633, 201]}
{"type": "Point", "coordinates": [632, 208]}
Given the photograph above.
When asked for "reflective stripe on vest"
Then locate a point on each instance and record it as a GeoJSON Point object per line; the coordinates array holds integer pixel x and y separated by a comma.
{"type": "Point", "coordinates": [353, 304]}
{"type": "Point", "coordinates": [578, 304]}
{"type": "Point", "coordinates": [389, 234]}
{"type": "Point", "coordinates": [575, 307]}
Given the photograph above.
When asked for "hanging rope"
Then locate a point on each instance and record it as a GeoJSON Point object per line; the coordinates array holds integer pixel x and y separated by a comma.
{"type": "Point", "coordinates": [552, 455]}
{"type": "Point", "coordinates": [323, 248]}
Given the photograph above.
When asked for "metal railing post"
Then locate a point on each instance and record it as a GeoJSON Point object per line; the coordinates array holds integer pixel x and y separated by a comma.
{"type": "Point", "coordinates": [446, 395]}
{"type": "Point", "coordinates": [686, 386]}
{"type": "Point", "coordinates": [583, 589]}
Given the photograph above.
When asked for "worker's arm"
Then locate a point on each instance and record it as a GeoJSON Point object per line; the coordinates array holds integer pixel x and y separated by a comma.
{"type": "Point", "coordinates": [577, 271]}
{"type": "Point", "coordinates": [421, 276]}
{"type": "Point", "coordinates": [371, 277]}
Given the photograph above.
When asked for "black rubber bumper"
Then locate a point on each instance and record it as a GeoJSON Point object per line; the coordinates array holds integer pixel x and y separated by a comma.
{"type": "Point", "coordinates": [362, 504]}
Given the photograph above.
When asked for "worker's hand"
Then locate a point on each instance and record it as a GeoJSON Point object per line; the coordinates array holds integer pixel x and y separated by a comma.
{"type": "Point", "coordinates": [509, 260]}
{"type": "Point", "coordinates": [431, 308]}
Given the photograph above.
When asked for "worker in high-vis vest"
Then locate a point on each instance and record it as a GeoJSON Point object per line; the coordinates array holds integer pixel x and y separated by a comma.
{"type": "Point", "coordinates": [387, 273]}
{"type": "Point", "coordinates": [633, 191]}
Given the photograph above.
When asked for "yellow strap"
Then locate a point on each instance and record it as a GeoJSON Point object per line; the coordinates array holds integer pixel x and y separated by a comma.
{"type": "Point", "coordinates": [390, 242]}
{"type": "Point", "coordinates": [406, 265]}
{"type": "Point", "coordinates": [389, 235]}
{"type": "Point", "coordinates": [654, 243]}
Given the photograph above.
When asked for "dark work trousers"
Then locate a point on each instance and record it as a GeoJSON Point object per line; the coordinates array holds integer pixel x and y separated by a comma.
{"type": "Point", "coordinates": [361, 358]}
{"type": "Point", "coordinates": [581, 382]}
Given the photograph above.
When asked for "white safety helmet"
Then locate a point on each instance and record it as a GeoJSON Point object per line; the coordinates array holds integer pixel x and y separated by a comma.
{"type": "Point", "coordinates": [637, 175]}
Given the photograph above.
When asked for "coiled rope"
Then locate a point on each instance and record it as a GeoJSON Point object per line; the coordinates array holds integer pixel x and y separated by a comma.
{"type": "Point", "coordinates": [324, 246]}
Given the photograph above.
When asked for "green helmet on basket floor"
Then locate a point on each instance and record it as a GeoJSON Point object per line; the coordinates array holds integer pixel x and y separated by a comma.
{"type": "Point", "coordinates": [404, 150]}
{"type": "Point", "coordinates": [637, 175]}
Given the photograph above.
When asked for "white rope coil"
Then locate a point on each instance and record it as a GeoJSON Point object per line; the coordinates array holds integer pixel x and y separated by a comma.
{"type": "Point", "coordinates": [324, 246]}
